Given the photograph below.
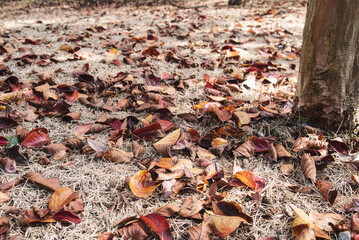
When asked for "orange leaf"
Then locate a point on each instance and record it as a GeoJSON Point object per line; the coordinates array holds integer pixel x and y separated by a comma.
{"type": "Point", "coordinates": [60, 198]}
{"type": "Point", "coordinates": [142, 185]}
{"type": "Point", "coordinates": [249, 179]}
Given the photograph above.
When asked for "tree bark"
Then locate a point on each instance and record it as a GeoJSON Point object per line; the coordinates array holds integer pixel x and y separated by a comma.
{"type": "Point", "coordinates": [328, 88]}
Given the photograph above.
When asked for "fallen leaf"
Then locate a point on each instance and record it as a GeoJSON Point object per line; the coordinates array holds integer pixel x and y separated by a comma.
{"type": "Point", "coordinates": [201, 231]}
{"type": "Point", "coordinates": [222, 226]}
{"type": "Point", "coordinates": [66, 216]}
{"type": "Point", "coordinates": [134, 231]}
{"type": "Point", "coordinates": [287, 169]}
{"type": "Point", "coordinates": [99, 147]}
{"type": "Point", "coordinates": [36, 138]}
{"type": "Point", "coordinates": [60, 198]}
{"type": "Point", "coordinates": [168, 210]}
{"type": "Point", "coordinates": [250, 180]}
{"type": "Point", "coordinates": [325, 188]}
{"type": "Point", "coordinates": [339, 146]}
{"type": "Point", "coordinates": [3, 141]}
{"type": "Point", "coordinates": [159, 225]}
{"type": "Point", "coordinates": [106, 236]}
{"type": "Point", "coordinates": [142, 185]}
{"type": "Point", "coordinates": [190, 207]}
{"type": "Point", "coordinates": [308, 166]}
{"type": "Point", "coordinates": [6, 122]}
{"type": "Point", "coordinates": [326, 220]}
{"type": "Point", "coordinates": [137, 149]}
{"type": "Point", "coordinates": [51, 184]}
{"type": "Point", "coordinates": [4, 197]}
{"type": "Point", "coordinates": [118, 156]}
{"type": "Point", "coordinates": [163, 145]}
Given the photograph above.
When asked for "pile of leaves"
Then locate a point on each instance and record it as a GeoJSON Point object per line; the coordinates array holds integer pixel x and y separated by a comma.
{"type": "Point", "coordinates": [196, 142]}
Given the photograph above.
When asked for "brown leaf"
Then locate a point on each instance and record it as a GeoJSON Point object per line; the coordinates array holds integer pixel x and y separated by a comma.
{"type": "Point", "coordinates": [168, 210]}
{"type": "Point", "coordinates": [134, 231]}
{"type": "Point", "coordinates": [222, 226]}
{"type": "Point", "coordinates": [326, 220]}
{"type": "Point", "coordinates": [106, 236]}
{"type": "Point", "coordinates": [242, 118]}
{"type": "Point", "coordinates": [4, 197]}
{"type": "Point", "coordinates": [177, 173]}
{"type": "Point", "coordinates": [51, 184]}
{"type": "Point", "coordinates": [118, 156]}
{"type": "Point", "coordinates": [60, 198]}
{"type": "Point", "coordinates": [4, 226]}
{"type": "Point", "coordinates": [57, 150]}
{"type": "Point", "coordinates": [230, 209]}
{"type": "Point", "coordinates": [190, 207]}
{"type": "Point", "coordinates": [137, 149]}
{"type": "Point", "coordinates": [82, 130]}
{"type": "Point", "coordinates": [282, 152]}
{"type": "Point", "coordinates": [308, 167]}
{"type": "Point", "coordinates": [99, 147]}
{"type": "Point", "coordinates": [142, 185]}
{"type": "Point", "coordinates": [201, 231]}
{"type": "Point", "coordinates": [287, 169]}
{"type": "Point", "coordinates": [325, 188]}
{"type": "Point", "coordinates": [75, 206]}
{"type": "Point", "coordinates": [163, 145]}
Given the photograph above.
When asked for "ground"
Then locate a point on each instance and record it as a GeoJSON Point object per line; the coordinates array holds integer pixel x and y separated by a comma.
{"type": "Point", "coordinates": [198, 36]}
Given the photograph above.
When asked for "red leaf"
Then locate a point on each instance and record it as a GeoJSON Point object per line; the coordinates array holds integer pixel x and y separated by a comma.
{"type": "Point", "coordinates": [159, 225]}
{"type": "Point", "coordinates": [3, 141]}
{"type": "Point", "coordinates": [114, 123]}
{"type": "Point", "coordinates": [36, 138]}
{"type": "Point", "coordinates": [144, 132]}
{"type": "Point", "coordinates": [165, 125]}
{"type": "Point", "coordinates": [66, 216]}
{"type": "Point", "coordinates": [261, 145]}
{"type": "Point", "coordinates": [339, 146]}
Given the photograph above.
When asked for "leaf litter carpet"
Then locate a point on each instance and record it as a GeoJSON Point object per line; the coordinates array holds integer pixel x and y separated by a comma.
{"type": "Point", "coordinates": [164, 122]}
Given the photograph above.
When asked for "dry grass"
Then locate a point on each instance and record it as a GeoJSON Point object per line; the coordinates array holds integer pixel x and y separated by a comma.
{"type": "Point", "coordinates": [98, 181]}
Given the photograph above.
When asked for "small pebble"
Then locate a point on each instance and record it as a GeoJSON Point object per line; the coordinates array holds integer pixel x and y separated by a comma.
{"type": "Point", "coordinates": [344, 235]}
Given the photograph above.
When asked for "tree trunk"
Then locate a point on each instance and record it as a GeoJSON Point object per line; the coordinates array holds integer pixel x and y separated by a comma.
{"type": "Point", "coordinates": [328, 88]}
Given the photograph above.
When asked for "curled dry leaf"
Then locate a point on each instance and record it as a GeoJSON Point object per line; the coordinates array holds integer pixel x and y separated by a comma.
{"type": "Point", "coordinates": [51, 184]}
{"type": "Point", "coordinates": [339, 146]}
{"type": "Point", "coordinates": [159, 225]}
{"type": "Point", "coordinates": [118, 156]}
{"type": "Point", "coordinates": [221, 225]}
{"type": "Point", "coordinates": [282, 152]}
{"type": "Point", "coordinates": [355, 178]}
{"type": "Point", "coordinates": [308, 166]}
{"type": "Point", "coordinates": [142, 185]}
{"type": "Point", "coordinates": [10, 164]}
{"type": "Point", "coordinates": [178, 173]}
{"type": "Point", "coordinates": [230, 209]}
{"type": "Point", "coordinates": [301, 222]}
{"type": "Point", "coordinates": [163, 145]}
{"type": "Point", "coordinates": [36, 138]}
{"type": "Point", "coordinates": [325, 188]}
{"type": "Point", "coordinates": [60, 198]}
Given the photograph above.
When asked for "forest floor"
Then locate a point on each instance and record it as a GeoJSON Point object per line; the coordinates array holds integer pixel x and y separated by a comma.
{"type": "Point", "coordinates": [159, 63]}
